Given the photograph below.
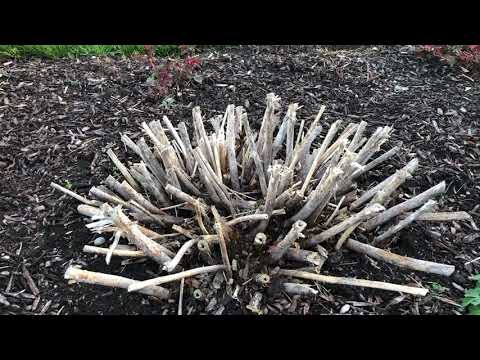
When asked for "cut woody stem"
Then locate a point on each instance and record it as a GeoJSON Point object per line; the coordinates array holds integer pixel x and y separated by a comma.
{"type": "Point", "coordinates": [174, 277]}
{"type": "Point", "coordinates": [354, 282]}
{"type": "Point", "coordinates": [401, 261]}
{"type": "Point", "coordinates": [96, 278]}
{"type": "Point", "coordinates": [363, 215]}
{"type": "Point", "coordinates": [279, 249]}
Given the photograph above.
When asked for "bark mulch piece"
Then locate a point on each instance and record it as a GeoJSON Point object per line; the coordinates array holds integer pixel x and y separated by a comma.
{"type": "Point", "coordinates": [59, 117]}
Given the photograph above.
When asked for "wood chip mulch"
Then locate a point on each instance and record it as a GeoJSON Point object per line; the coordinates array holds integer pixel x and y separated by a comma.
{"type": "Point", "coordinates": [59, 117]}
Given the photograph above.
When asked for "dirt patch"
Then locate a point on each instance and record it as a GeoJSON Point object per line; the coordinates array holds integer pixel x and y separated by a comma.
{"type": "Point", "coordinates": [58, 118]}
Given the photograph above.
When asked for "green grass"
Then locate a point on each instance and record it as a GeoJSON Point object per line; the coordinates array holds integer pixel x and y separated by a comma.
{"type": "Point", "coordinates": [56, 51]}
{"type": "Point", "coordinates": [471, 300]}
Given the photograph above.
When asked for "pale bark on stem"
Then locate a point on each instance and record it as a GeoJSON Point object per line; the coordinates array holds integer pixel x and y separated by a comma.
{"type": "Point", "coordinates": [314, 123]}
{"type": "Point", "coordinates": [132, 231]}
{"type": "Point", "coordinates": [291, 119]}
{"type": "Point", "coordinates": [199, 215]}
{"type": "Point", "coordinates": [105, 197]}
{"type": "Point", "coordinates": [354, 282]}
{"type": "Point", "coordinates": [123, 169]}
{"type": "Point", "coordinates": [143, 215]}
{"type": "Point", "coordinates": [222, 149]}
{"type": "Point", "coordinates": [335, 212]}
{"type": "Point", "coordinates": [117, 252]}
{"type": "Point", "coordinates": [230, 142]}
{"type": "Point", "coordinates": [186, 181]}
{"type": "Point", "coordinates": [202, 134]}
{"type": "Point", "coordinates": [305, 145]}
{"type": "Point", "coordinates": [140, 199]}
{"type": "Point", "coordinates": [401, 261]}
{"type": "Point", "coordinates": [180, 298]}
{"type": "Point", "coordinates": [407, 205]}
{"type": "Point", "coordinates": [186, 154]}
{"type": "Point", "coordinates": [116, 187]}
{"type": "Point", "coordinates": [321, 155]}
{"type": "Point", "coordinates": [307, 162]}
{"type": "Point", "coordinates": [167, 147]}
{"type": "Point", "coordinates": [75, 195]}
{"type": "Point", "coordinates": [377, 161]}
{"type": "Point", "coordinates": [239, 112]}
{"type": "Point", "coordinates": [363, 215]}
{"type": "Point", "coordinates": [268, 142]}
{"type": "Point", "coordinates": [178, 139]}
{"type": "Point", "coordinates": [373, 144]}
{"type": "Point", "coordinates": [276, 251]}
{"type": "Point", "coordinates": [174, 277]}
{"type": "Point", "coordinates": [256, 158]}
{"type": "Point", "coordinates": [183, 132]}
{"type": "Point", "coordinates": [300, 133]}
{"type": "Point", "coordinates": [185, 232]}
{"type": "Point", "coordinates": [280, 137]}
{"type": "Point", "coordinates": [305, 256]}
{"type": "Point", "coordinates": [96, 278]}
{"type": "Point", "coordinates": [347, 161]}
{"type": "Point", "coordinates": [312, 169]}
{"type": "Point", "coordinates": [92, 211]}
{"type": "Point", "coordinates": [332, 131]}
{"type": "Point", "coordinates": [354, 144]}
{"type": "Point", "coordinates": [281, 199]}
{"type": "Point", "coordinates": [216, 155]}
{"type": "Point", "coordinates": [208, 185]}
{"type": "Point", "coordinates": [210, 173]}
{"type": "Point", "coordinates": [383, 195]}
{"type": "Point", "coordinates": [179, 194]}
{"type": "Point", "coordinates": [254, 304]}
{"type": "Point", "coordinates": [272, 102]}
{"type": "Point", "coordinates": [428, 206]}
{"type": "Point", "coordinates": [282, 131]}
{"type": "Point", "coordinates": [410, 168]}
{"type": "Point", "coordinates": [166, 154]}
{"type": "Point", "coordinates": [172, 264]}
{"type": "Point", "coordinates": [318, 198]}
{"type": "Point", "coordinates": [151, 184]}
{"type": "Point", "coordinates": [345, 235]}
{"type": "Point", "coordinates": [89, 210]}
{"type": "Point", "coordinates": [271, 196]}
{"type": "Point", "coordinates": [219, 187]}
{"type": "Point", "coordinates": [286, 179]}
{"type": "Point", "coordinates": [130, 144]}
{"type": "Point", "coordinates": [113, 246]}
{"type": "Point", "coordinates": [440, 216]}
{"type": "Point", "coordinates": [252, 217]}
{"type": "Point", "coordinates": [221, 239]}
{"type": "Point", "coordinates": [357, 170]}
{"type": "Point", "coordinates": [245, 157]}
{"type": "Point", "coordinates": [298, 289]}
{"type": "Point", "coordinates": [151, 161]}
{"type": "Point", "coordinates": [337, 149]}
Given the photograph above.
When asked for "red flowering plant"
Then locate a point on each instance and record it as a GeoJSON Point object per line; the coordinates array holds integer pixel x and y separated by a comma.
{"type": "Point", "coordinates": [171, 72]}
{"type": "Point", "coordinates": [467, 55]}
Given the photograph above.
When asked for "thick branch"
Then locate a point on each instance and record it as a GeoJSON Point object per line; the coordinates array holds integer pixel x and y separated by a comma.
{"type": "Point", "coordinates": [96, 278]}
{"type": "Point", "coordinates": [401, 261]}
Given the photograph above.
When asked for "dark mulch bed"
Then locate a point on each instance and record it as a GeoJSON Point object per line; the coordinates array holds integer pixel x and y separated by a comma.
{"type": "Point", "coordinates": [58, 117]}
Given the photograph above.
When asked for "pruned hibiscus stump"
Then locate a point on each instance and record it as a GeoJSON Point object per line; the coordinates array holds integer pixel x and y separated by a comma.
{"type": "Point", "coordinates": [254, 212]}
